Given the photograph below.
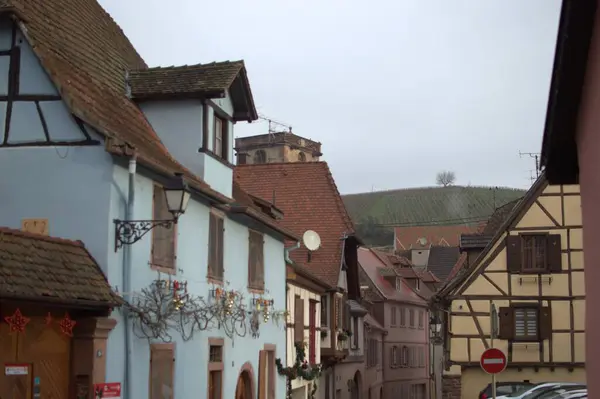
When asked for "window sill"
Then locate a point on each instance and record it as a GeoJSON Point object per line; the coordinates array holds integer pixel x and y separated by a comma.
{"type": "Point", "coordinates": [216, 157]}
{"type": "Point", "coordinates": [214, 280]}
{"type": "Point", "coordinates": [164, 269]}
{"type": "Point", "coordinates": [256, 289]}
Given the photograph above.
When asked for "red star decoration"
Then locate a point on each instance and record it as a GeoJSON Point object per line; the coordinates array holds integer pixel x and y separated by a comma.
{"type": "Point", "coordinates": [48, 319]}
{"type": "Point", "coordinates": [66, 325]}
{"type": "Point", "coordinates": [17, 321]}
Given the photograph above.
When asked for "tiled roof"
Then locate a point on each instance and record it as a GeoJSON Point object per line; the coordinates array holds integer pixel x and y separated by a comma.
{"type": "Point", "coordinates": [87, 56]}
{"type": "Point", "coordinates": [370, 320]}
{"type": "Point", "coordinates": [372, 265]}
{"type": "Point", "coordinates": [429, 205]}
{"type": "Point", "coordinates": [449, 235]}
{"type": "Point", "coordinates": [307, 195]}
{"type": "Point", "coordinates": [460, 263]}
{"type": "Point", "coordinates": [37, 267]}
{"type": "Point", "coordinates": [442, 260]}
{"type": "Point", "coordinates": [499, 216]}
{"type": "Point", "coordinates": [186, 79]}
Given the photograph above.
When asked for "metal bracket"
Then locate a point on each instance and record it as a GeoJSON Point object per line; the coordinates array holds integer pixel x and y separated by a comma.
{"type": "Point", "coordinates": [129, 232]}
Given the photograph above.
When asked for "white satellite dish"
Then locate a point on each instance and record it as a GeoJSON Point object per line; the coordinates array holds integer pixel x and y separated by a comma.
{"type": "Point", "coordinates": [311, 240]}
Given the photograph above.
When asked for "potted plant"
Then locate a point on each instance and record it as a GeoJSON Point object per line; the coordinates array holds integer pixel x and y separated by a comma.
{"type": "Point", "coordinates": [342, 336]}
{"type": "Point", "coordinates": [324, 334]}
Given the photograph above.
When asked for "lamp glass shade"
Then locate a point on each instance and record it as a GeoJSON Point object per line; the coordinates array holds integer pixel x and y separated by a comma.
{"type": "Point", "coordinates": [177, 196]}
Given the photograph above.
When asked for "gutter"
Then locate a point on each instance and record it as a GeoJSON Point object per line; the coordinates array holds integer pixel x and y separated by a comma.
{"type": "Point", "coordinates": [287, 251]}
{"type": "Point", "coordinates": [127, 275]}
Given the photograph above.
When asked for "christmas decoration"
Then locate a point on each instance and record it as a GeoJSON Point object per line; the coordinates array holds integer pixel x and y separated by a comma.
{"type": "Point", "coordinates": [66, 325]}
{"type": "Point", "coordinates": [301, 369]}
{"type": "Point", "coordinates": [17, 321]}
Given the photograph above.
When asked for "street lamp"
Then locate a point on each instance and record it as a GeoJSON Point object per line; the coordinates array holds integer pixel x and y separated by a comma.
{"type": "Point", "coordinates": [177, 195]}
{"type": "Point", "coordinates": [435, 328]}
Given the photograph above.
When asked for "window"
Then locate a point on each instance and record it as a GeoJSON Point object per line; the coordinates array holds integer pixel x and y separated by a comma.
{"type": "Point", "coordinates": [215, 368]}
{"type": "Point", "coordinates": [402, 317]}
{"type": "Point", "coordinates": [534, 253]}
{"type": "Point", "coordinates": [162, 370]}
{"type": "Point", "coordinates": [405, 355]}
{"type": "Point", "coordinates": [411, 318]}
{"type": "Point", "coordinates": [241, 158]}
{"type": "Point", "coordinates": [421, 319]}
{"type": "Point", "coordinates": [324, 311]}
{"type": "Point", "coordinates": [398, 284]}
{"type": "Point", "coordinates": [301, 157]}
{"type": "Point", "coordinates": [215, 247]}
{"type": "Point", "coordinates": [355, 332]}
{"type": "Point", "coordinates": [220, 140]}
{"type": "Point", "coordinates": [372, 352]}
{"type": "Point", "coordinates": [298, 319]}
{"type": "Point", "coordinates": [260, 156]}
{"type": "Point", "coordinates": [256, 267]}
{"type": "Point", "coordinates": [418, 285]}
{"type": "Point", "coordinates": [266, 367]}
{"type": "Point", "coordinates": [393, 316]}
{"type": "Point", "coordinates": [394, 357]}
{"type": "Point", "coordinates": [525, 322]}
{"type": "Point", "coordinates": [163, 239]}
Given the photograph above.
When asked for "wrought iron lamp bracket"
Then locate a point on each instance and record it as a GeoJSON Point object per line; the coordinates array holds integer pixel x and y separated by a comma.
{"type": "Point", "coordinates": [129, 232]}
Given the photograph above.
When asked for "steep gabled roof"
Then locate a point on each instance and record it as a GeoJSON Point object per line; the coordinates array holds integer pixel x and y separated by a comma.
{"type": "Point", "coordinates": [307, 195]}
{"type": "Point", "coordinates": [211, 80]}
{"type": "Point", "coordinates": [375, 269]}
{"type": "Point", "coordinates": [87, 56]}
{"type": "Point", "coordinates": [466, 276]}
{"type": "Point", "coordinates": [35, 267]}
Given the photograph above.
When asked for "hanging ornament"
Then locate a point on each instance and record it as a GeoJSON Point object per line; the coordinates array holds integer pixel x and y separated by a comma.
{"type": "Point", "coordinates": [48, 319]}
{"type": "Point", "coordinates": [66, 325]}
{"type": "Point", "coordinates": [17, 321]}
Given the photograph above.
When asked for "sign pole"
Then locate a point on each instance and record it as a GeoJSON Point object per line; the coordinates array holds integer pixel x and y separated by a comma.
{"type": "Point", "coordinates": [493, 326]}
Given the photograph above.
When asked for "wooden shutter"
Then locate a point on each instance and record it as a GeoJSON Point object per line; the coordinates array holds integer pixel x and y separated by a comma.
{"type": "Point", "coordinates": [298, 319]}
{"type": "Point", "coordinates": [513, 254]}
{"type": "Point", "coordinates": [221, 241]}
{"type": "Point", "coordinates": [212, 249]}
{"type": "Point", "coordinates": [163, 239]}
{"type": "Point", "coordinates": [554, 253]}
{"type": "Point", "coordinates": [545, 323]}
{"type": "Point", "coordinates": [262, 373]}
{"type": "Point", "coordinates": [506, 321]}
{"type": "Point", "coordinates": [162, 362]}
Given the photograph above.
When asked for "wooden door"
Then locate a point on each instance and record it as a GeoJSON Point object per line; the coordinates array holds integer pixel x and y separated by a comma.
{"type": "Point", "coordinates": [312, 340]}
{"type": "Point", "coordinates": [242, 390]}
{"type": "Point", "coordinates": [16, 386]}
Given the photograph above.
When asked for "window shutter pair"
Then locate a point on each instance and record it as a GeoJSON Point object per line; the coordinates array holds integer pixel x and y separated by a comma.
{"type": "Point", "coordinates": [514, 253]}
{"type": "Point", "coordinates": [298, 319]}
{"type": "Point", "coordinates": [507, 323]}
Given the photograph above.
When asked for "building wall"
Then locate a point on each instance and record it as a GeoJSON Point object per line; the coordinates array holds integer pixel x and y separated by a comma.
{"type": "Point", "coordinates": [373, 388]}
{"type": "Point", "coordinates": [588, 145]}
{"type": "Point", "coordinates": [560, 295]}
{"type": "Point", "coordinates": [399, 378]}
{"type": "Point", "coordinates": [277, 147]}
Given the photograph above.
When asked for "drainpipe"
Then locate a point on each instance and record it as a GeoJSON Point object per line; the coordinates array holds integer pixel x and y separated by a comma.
{"type": "Point", "coordinates": [290, 249]}
{"type": "Point", "coordinates": [127, 266]}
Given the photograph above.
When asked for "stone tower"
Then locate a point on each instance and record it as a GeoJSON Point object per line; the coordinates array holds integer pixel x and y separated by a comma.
{"type": "Point", "coordinates": [276, 147]}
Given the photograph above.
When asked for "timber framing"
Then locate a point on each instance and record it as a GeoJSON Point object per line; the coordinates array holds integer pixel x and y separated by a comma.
{"type": "Point", "coordinates": [524, 286]}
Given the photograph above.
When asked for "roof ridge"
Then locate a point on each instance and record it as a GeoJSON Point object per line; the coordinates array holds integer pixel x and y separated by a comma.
{"type": "Point", "coordinates": [391, 190]}
{"type": "Point", "coordinates": [213, 63]}
{"type": "Point", "coordinates": [270, 164]}
{"type": "Point", "coordinates": [41, 237]}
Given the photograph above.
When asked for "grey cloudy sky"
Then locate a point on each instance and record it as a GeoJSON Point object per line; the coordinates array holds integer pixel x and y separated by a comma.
{"type": "Point", "coordinates": [396, 90]}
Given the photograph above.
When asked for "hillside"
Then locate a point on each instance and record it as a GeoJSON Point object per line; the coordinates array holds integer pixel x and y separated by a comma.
{"type": "Point", "coordinates": [424, 206]}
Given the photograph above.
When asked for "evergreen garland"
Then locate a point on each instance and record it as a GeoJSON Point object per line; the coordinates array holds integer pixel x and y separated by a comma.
{"type": "Point", "coordinates": [300, 369]}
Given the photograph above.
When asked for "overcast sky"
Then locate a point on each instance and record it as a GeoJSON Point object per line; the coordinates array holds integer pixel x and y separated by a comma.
{"type": "Point", "coordinates": [396, 90]}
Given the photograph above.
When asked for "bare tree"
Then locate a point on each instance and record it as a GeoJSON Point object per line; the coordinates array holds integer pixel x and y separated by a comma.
{"type": "Point", "coordinates": [445, 178]}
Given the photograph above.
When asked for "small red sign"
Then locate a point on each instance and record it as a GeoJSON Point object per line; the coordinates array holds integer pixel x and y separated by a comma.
{"type": "Point", "coordinates": [107, 390]}
{"type": "Point", "coordinates": [493, 361]}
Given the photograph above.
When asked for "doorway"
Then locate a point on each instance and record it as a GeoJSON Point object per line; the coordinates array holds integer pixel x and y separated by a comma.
{"type": "Point", "coordinates": [243, 389]}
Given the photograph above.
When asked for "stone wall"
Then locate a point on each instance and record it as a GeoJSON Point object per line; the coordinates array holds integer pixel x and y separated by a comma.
{"type": "Point", "coordinates": [451, 387]}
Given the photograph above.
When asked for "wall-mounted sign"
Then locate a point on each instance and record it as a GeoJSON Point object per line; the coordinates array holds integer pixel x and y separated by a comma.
{"type": "Point", "coordinates": [16, 369]}
{"type": "Point", "coordinates": [107, 390]}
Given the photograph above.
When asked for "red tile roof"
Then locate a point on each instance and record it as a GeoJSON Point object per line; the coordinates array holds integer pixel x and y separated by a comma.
{"type": "Point", "coordinates": [448, 235]}
{"type": "Point", "coordinates": [37, 267]}
{"type": "Point", "coordinates": [374, 268]}
{"type": "Point", "coordinates": [87, 55]}
{"type": "Point", "coordinates": [309, 199]}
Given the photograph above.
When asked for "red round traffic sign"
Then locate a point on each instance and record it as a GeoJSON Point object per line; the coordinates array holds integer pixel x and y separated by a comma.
{"type": "Point", "coordinates": [493, 361]}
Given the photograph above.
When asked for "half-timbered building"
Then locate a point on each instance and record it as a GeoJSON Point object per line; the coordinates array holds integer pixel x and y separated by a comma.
{"type": "Point", "coordinates": [532, 271]}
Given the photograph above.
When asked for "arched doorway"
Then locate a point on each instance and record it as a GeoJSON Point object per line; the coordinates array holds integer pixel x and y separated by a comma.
{"type": "Point", "coordinates": [243, 389]}
{"type": "Point", "coordinates": [381, 393]}
{"type": "Point", "coordinates": [355, 393]}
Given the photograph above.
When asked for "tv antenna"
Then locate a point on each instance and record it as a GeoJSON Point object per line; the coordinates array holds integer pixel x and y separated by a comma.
{"type": "Point", "coordinates": [536, 157]}
{"type": "Point", "coordinates": [274, 125]}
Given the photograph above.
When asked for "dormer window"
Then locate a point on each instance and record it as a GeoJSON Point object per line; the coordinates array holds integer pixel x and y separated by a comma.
{"type": "Point", "coordinates": [398, 284]}
{"type": "Point", "coordinates": [220, 139]}
{"type": "Point", "coordinates": [418, 285]}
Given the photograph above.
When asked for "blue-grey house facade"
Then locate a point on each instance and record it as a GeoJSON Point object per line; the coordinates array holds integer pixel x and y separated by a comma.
{"type": "Point", "coordinates": [87, 142]}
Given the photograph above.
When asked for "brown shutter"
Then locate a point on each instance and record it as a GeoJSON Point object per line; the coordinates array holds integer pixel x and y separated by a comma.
{"type": "Point", "coordinates": [262, 373]}
{"type": "Point", "coordinates": [545, 323]}
{"type": "Point", "coordinates": [212, 253]}
{"type": "Point", "coordinates": [220, 234]}
{"type": "Point", "coordinates": [554, 253]}
{"type": "Point", "coordinates": [513, 254]}
{"type": "Point", "coordinates": [251, 259]}
{"type": "Point", "coordinates": [298, 319]}
{"type": "Point", "coordinates": [506, 323]}
{"type": "Point", "coordinates": [162, 362]}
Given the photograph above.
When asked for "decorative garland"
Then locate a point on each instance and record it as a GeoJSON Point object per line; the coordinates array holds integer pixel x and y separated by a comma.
{"type": "Point", "coordinates": [300, 369]}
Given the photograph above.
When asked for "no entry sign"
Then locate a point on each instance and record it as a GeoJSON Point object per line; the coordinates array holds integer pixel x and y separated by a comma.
{"type": "Point", "coordinates": [493, 361]}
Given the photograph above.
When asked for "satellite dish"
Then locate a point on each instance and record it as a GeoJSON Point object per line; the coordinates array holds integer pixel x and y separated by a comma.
{"type": "Point", "coordinates": [311, 240]}
{"type": "Point", "coordinates": [423, 241]}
